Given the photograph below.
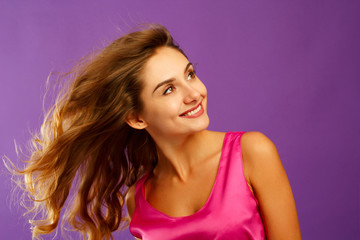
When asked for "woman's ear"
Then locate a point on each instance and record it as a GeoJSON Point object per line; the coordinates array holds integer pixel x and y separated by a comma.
{"type": "Point", "coordinates": [134, 121]}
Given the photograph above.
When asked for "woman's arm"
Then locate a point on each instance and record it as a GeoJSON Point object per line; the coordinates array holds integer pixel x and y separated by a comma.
{"type": "Point", "coordinates": [266, 175]}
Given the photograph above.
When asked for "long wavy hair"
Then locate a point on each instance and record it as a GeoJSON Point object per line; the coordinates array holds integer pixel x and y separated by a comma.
{"type": "Point", "coordinates": [85, 144]}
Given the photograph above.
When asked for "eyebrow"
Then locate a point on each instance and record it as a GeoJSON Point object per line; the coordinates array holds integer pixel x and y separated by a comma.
{"type": "Point", "coordinates": [171, 80]}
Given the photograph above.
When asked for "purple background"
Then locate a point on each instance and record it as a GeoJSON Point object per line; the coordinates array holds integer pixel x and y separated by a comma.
{"type": "Point", "coordinates": [289, 69]}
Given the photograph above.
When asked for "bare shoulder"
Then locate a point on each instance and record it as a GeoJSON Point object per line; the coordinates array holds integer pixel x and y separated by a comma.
{"type": "Point", "coordinates": [256, 142]}
{"type": "Point", "coordinates": [267, 176]}
{"type": "Point", "coordinates": [257, 150]}
{"type": "Point", "coordinates": [130, 203]}
{"type": "Point", "coordinates": [130, 200]}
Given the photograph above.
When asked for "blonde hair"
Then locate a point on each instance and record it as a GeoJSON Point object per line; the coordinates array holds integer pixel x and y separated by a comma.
{"type": "Point", "coordinates": [86, 145]}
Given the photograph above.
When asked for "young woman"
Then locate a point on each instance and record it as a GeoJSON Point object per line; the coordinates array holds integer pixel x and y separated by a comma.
{"type": "Point", "coordinates": [132, 127]}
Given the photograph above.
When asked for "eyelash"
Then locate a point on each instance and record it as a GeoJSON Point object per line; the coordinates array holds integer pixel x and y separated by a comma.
{"type": "Point", "coordinates": [165, 92]}
{"type": "Point", "coordinates": [193, 75]}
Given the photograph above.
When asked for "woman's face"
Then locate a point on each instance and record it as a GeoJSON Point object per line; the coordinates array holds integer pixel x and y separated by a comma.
{"type": "Point", "coordinates": [174, 97]}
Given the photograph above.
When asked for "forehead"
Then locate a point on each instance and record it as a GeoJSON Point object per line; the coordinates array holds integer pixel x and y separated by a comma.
{"type": "Point", "coordinates": [166, 63]}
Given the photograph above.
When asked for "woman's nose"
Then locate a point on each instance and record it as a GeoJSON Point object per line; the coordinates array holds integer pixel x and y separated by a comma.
{"type": "Point", "coordinates": [191, 94]}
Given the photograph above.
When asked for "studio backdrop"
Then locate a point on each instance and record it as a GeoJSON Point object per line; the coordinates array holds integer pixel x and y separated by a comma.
{"type": "Point", "coordinates": [288, 69]}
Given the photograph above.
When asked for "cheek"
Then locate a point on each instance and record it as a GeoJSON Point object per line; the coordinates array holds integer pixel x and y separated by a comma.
{"type": "Point", "coordinates": [171, 107]}
{"type": "Point", "coordinates": [160, 110]}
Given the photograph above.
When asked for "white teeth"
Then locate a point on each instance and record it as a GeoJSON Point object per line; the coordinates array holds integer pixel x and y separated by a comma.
{"type": "Point", "coordinates": [193, 111]}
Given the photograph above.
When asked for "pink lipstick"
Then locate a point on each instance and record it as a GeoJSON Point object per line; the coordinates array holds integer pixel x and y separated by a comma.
{"type": "Point", "coordinates": [193, 112]}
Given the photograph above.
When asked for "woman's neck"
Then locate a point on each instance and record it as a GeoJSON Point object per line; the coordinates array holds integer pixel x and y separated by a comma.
{"type": "Point", "coordinates": [178, 159]}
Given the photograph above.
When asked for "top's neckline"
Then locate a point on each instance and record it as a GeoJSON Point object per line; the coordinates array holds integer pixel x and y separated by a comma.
{"type": "Point", "coordinates": [142, 190]}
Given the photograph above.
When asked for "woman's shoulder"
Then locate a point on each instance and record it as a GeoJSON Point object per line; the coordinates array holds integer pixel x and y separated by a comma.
{"type": "Point", "coordinates": [255, 143]}
{"type": "Point", "coordinates": [251, 141]}
{"type": "Point", "coordinates": [259, 154]}
{"type": "Point", "coordinates": [131, 193]}
{"type": "Point", "coordinates": [130, 200]}
{"type": "Point", "coordinates": [267, 176]}
{"type": "Point", "coordinates": [256, 149]}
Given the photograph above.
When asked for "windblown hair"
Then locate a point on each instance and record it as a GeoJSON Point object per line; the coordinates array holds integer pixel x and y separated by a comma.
{"type": "Point", "coordinates": [86, 145]}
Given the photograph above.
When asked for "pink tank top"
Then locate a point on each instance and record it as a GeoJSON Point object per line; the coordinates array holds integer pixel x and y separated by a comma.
{"type": "Point", "coordinates": [231, 211]}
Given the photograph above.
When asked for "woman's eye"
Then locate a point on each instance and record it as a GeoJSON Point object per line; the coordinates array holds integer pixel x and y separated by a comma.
{"type": "Point", "coordinates": [191, 75]}
{"type": "Point", "coordinates": [168, 90]}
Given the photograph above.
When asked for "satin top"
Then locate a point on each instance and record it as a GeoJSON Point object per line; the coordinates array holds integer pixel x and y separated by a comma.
{"type": "Point", "coordinates": [230, 212]}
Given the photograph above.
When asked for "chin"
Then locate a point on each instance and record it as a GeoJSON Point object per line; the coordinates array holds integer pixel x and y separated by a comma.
{"type": "Point", "coordinates": [203, 125]}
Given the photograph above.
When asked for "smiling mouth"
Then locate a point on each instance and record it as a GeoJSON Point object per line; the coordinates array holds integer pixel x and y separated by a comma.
{"type": "Point", "coordinates": [192, 112]}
